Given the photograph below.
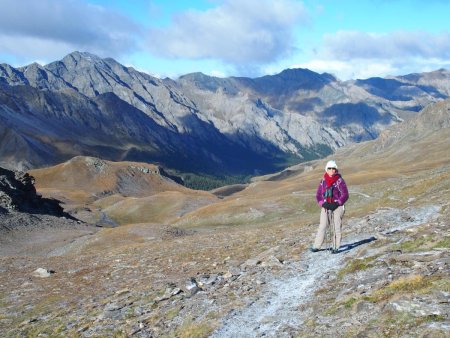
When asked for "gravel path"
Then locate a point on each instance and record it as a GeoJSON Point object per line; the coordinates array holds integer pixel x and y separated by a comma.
{"type": "Point", "coordinates": [276, 312]}
{"type": "Point", "coordinates": [280, 309]}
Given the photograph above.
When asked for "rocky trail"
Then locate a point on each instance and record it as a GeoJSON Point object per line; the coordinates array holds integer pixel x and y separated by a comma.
{"type": "Point", "coordinates": [264, 296]}
{"type": "Point", "coordinates": [275, 311]}
{"type": "Point", "coordinates": [281, 308]}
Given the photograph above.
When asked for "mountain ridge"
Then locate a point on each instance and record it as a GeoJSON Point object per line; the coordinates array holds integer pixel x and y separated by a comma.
{"type": "Point", "coordinates": [235, 125]}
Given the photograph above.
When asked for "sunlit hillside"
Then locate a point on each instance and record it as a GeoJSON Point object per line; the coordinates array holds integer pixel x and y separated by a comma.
{"type": "Point", "coordinates": [112, 193]}
{"type": "Point", "coordinates": [190, 264]}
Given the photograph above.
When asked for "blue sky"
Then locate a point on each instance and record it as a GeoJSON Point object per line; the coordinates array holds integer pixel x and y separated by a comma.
{"type": "Point", "coordinates": [350, 39]}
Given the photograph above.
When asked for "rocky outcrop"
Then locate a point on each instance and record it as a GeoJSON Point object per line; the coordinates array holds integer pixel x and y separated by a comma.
{"type": "Point", "coordinates": [32, 224]}
{"type": "Point", "coordinates": [17, 193]}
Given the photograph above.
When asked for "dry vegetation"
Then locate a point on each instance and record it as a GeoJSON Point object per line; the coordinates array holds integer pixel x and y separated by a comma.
{"type": "Point", "coordinates": [170, 234]}
{"type": "Point", "coordinates": [124, 192]}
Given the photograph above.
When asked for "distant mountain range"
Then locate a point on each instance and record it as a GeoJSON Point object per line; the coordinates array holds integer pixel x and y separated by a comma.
{"type": "Point", "coordinates": [85, 105]}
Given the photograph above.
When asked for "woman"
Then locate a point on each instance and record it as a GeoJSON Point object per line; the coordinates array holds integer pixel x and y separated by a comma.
{"type": "Point", "coordinates": [331, 195]}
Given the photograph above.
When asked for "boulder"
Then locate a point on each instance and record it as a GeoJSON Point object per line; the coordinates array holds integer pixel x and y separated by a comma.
{"type": "Point", "coordinates": [43, 273]}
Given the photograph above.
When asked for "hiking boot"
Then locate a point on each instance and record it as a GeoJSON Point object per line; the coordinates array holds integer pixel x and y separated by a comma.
{"type": "Point", "coordinates": [313, 249]}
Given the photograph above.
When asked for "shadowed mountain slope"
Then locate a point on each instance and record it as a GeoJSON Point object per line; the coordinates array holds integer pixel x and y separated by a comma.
{"type": "Point", "coordinates": [85, 105]}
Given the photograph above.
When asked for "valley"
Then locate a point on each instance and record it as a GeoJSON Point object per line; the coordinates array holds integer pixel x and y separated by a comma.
{"type": "Point", "coordinates": [198, 127]}
{"type": "Point", "coordinates": [151, 258]}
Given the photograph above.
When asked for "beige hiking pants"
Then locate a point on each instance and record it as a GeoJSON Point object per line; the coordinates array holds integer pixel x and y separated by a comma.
{"type": "Point", "coordinates": [337, 216]}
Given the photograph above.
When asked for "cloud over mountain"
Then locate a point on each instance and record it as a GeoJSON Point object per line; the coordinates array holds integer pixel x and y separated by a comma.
{"type": "Point", "coordinates": [348, 45]}
{"type": "Point", "coordinates": [357, 54]}
{"type": "Point", "coordinates": [235, 32]}
{"type": "Point", "coordinates": [39, 28]}
{"type": "Point", "coordinates": [233, 38]}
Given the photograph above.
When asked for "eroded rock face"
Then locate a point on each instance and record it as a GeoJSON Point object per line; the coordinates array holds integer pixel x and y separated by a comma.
{"type": "Point", "coordinates": [16, 189]}
{"type": "Point", "coordinates": [31, 224]}
{"type": "Point", "coordinates": [17, 193]}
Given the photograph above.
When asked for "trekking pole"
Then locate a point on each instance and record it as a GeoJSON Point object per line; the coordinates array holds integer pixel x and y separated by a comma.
{"type": "Point", "coordinates": [333, 232]}
{"type": "Point", "coordinates": [329, 231]}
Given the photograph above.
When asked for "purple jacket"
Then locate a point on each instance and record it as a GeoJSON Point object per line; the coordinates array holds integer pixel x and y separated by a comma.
{"type": "Point", "coordinates": [340, 192]}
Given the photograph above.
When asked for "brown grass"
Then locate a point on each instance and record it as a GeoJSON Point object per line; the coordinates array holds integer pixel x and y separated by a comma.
{"type": "Point", "coordinates": [126, 194]}
{"type": "Point", "coordinates": [409, 284]}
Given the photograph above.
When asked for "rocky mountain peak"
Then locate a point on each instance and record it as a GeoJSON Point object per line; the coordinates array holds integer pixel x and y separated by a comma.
{"type": "Point", "coordinates": [437, 82]}
{"type": "Point", "coordinates": [195, 76]}
{"type": "Point", "coordinates": [439, 73]}
{"type": "Point", "coordinates": [81, 58]}
{"type": "Point", "coordinates": [291, 80]}
{"type": "Point", "coordinates": [9, 75]}
{"type": "Point", "coordinates": [88, 73]}
{"type": "Point", "coordinates": [303, 74]}
{"type": "Point", "coordinates": [210, 83]}
{"type": "Point", "coordinates": [37, 76]}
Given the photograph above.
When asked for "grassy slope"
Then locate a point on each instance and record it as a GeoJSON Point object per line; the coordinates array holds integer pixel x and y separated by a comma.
{"type": "Point", "coordinates": [411, 172]}
{"type": "Point", "coordinates": [120, 190]}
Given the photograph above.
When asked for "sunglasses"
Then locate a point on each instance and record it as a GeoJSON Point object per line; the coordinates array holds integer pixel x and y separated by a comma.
{"type": "Point", "coordinates": [331, 168]}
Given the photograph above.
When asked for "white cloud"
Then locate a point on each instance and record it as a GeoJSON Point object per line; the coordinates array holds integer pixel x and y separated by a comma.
{"type": "Point", "coordinates": [47, 28]}
{"type": "Point", "coordinates": [348, 45]}
{"type": "Point", "coordinates": [237, 32]}
{"type": "Point", "coordinates": [352, 55]}
{"type": "Point", "coordinates": [32, 48]}
{"type": "Point", "coordinates": [217, 73]}
{"type": "Point", "coordinates": [343, 70]}
{"type": "Point", "coordinates": [365, 68]}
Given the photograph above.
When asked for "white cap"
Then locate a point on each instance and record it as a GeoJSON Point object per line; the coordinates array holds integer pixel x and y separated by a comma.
{"type": "Point", "coordinates": [331, 164]}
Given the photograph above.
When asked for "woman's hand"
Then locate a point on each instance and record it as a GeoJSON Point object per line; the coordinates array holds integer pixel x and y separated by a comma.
{"type": "Point", "coordinates": [333, 206]}
{"type": "Point", "coordinates": [330, 206]}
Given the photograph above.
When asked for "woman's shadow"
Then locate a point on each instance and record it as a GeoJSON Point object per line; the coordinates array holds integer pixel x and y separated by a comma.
{"type": "Point", "coordinates": [351, 246]}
